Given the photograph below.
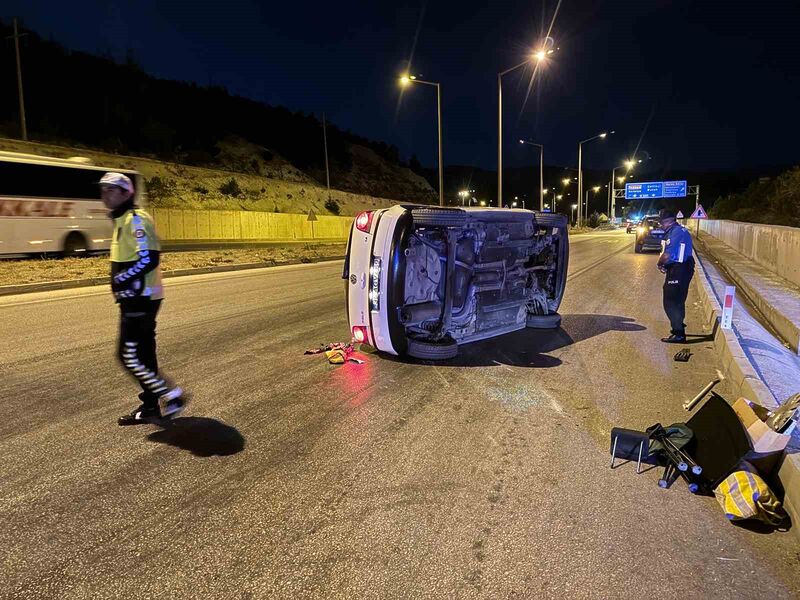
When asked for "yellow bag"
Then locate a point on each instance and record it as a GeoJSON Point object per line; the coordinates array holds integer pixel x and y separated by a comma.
{"type": "Point", "coordinates": [744, 495]}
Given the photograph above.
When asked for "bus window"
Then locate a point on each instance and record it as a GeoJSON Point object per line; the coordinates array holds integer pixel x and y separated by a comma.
{"type": "Point", "coordinates": [48, 181]}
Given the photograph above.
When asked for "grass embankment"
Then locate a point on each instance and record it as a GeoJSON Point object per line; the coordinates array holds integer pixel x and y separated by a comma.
{"type": "Point", "coordinates": [244, 180]}
{"type": "Point", "coordinates": [18, 272]}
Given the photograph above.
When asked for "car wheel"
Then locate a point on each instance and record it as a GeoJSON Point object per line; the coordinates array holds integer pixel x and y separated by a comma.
{"type": "Point", "coordinates": [637, 248]}
{"type": "Point", "coordinates": [551, 321]}
{"type": "Point", "coordinates": [75, 245]}
{"type": "Point", "coordinates": [438, 217]}
{"type": "Point", "coordinates": [432, 350]}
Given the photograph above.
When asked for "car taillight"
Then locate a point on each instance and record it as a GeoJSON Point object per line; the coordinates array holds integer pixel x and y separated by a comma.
{"type": "Point", "coordinates": [363, 221]}
{"type": "Point", "coordinates": [359, 334]}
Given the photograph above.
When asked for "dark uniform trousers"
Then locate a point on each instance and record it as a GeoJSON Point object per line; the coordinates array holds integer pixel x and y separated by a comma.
{"type": "Point", "coordinates": [137, 347]}
{"type": "Point", "coordinates": [676, 288]}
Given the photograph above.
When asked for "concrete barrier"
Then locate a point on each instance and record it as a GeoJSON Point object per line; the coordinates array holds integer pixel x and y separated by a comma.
{"type": "Point", "coordinates": [774, 247]}
{"type": "Point", "coordinates": [773, 250]}
{"type": "Point", "coordinates": [745, 382]}
{"type": "Point", "coordinates": [178, 224]}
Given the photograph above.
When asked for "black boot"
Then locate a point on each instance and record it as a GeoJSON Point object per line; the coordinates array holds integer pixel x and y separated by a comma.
{"type": "Point", "coordinates": [674, 339]}
{"type": "Point", "coordinates": [141, 416]}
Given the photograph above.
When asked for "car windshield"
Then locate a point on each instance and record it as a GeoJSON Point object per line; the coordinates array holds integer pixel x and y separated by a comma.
{"type": "Point", "coordinates": [652, 223]}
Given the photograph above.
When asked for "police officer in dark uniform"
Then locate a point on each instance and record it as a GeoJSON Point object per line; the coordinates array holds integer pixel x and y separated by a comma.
{"type": "Point", "coordinates": [677, 263]}
{"type": "Point", "coordinates": [136, 285]}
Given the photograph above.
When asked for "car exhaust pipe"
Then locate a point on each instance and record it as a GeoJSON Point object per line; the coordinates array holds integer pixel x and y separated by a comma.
{"type": "Point", "coordinates": [414, 314]}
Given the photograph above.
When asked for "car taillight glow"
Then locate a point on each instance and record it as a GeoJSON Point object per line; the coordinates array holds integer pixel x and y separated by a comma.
{"type": "Point", "coordinates": [359, 334]}
{"type": "Point", "coordinates": [363, 221]}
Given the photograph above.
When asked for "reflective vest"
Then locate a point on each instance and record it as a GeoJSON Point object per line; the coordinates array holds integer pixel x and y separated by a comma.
{"type": "Point", "coordinates": [133, 240]}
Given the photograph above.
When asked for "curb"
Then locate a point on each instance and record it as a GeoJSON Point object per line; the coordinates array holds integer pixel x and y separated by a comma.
{"type": "Point", "coordinates": [783, 325]}
{"type": "Point", "coordinates": [28, 288]}
{"type": "Point", "coordinates": [746, 383]}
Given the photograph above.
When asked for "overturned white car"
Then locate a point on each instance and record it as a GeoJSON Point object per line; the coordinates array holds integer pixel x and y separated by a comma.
{"type": "Point", "coordinates": [421, 280]}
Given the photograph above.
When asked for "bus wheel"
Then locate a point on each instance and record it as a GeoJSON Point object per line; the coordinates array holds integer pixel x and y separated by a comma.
{"type": "Point", "coordinates": [75, 245]}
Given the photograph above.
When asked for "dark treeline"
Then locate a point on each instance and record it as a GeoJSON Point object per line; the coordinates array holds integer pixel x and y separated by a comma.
{"type": "Point", "coordinates": [775, 201]}
{"type": "Point", "coordinates": [80, 98]}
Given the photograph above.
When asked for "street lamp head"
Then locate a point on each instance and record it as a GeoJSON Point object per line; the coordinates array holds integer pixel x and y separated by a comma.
{"type": "Point", "coordinates": [621, 179]}
{"type": "Point", "coordinates": [630, 163]}
{"type": "Point", "coordinates": [559, 197]}
{"type": "Point", "coordinates": [405, 80]}
{"type": "Point", "coordinates": [513, 205]}
{"type": "Point", "coordinates": [574, 206]}
{"type": "Point", "coordinates": [544, 190]}
{"type": "Point", "coordinates": [483, 203]}
{"type": "Point", "coordinates": [565, 181]}
{"type": "Point", "coordinates": [596, 189]}
{"type": "Point", "coordinates": [603, 135]}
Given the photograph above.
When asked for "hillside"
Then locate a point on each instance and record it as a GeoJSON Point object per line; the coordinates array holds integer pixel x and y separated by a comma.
{"type": "Point", "coordinates": [274, 186]}
{"type": "Point", "coordinates": [181, 123]}
{"type": "Point", "coordinates": [774, 201]}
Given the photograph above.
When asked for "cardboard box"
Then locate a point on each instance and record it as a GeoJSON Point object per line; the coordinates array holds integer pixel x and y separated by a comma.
{"type": "Point", "coordinates": [768, 445]}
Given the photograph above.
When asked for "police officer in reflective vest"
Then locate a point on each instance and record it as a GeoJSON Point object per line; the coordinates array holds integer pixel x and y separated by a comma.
{"type": "Point", "coordinates": [677, 263]}
{"type": "Point", "coordinates": [136, 285]}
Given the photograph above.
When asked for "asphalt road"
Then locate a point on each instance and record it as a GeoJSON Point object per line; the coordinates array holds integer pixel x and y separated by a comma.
{"type": "Point", "coordinates": [485, 477]}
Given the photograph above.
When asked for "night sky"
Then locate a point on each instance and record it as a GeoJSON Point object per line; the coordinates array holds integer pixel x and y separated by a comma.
{"type": "Point", "coordinates": [698, 85]}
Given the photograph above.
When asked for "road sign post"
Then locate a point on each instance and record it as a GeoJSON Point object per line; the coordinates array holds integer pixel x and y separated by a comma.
{"type": "Point", "coordinates": [727, 307]}
{"type": "Point", "coordinates": [699, 213]}
{"type": "Point", "coordinates": [311, 218]}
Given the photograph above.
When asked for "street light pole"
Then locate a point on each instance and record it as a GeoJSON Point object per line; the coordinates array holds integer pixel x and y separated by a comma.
{"type": "Point", "coordinates": [628, 164]}
{"type": "Point", "coordinates": [439, 121]}
{"type": "Point", "coordinates": [539, 57]}
{"type": "Point", "coordinates": [22, 121]}
{"type": "Point", "coordinates": [580, 167]}
{"type": "Point", "coordinates": [541, 170]}
{"type": "Point", "coordinates": [500, 130]}
{"type": "Point", "coordinates": [405, 80]}
{"type": "Point", "coordinates": [325, 143]}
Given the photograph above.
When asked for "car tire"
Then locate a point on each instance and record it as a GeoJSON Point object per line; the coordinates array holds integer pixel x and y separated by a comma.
{"type": "Point", "coordinates": [432, 350]}
{"type": "Point", "coordinates": [438, 217]}
{"type": "Point", "coordinates": [551, 321]}
{"type": "Point", "coordinates": [637, 248]}
{"type": "Point", "coordinates": [75, 245]}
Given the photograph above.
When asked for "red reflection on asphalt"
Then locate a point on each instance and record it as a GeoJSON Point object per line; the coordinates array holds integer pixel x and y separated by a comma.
{"type": "Point", "coordinates": [351, 380]}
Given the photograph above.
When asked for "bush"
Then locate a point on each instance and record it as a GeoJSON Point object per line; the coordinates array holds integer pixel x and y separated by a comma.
{"type": "Point", "coordinates": [231, 188]}
{"type": "Point", "coordinates": [774, 201]}
{"type": "Point", "coordinates": [594, 219]}
{"type": "Point", "coordinates": [200, 189]}
{"type": "Point", "coordinates": [332, 206]}
{"type": "Point", "coordinates": [161, 188]}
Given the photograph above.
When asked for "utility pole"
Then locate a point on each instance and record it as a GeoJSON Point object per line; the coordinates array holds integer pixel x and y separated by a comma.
{"type": "Point", "coordinates": [325, 143]}
{"type": "Point", "coordinates": [22, 124]}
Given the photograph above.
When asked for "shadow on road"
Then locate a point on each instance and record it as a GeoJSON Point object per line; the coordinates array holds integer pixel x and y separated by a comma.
{"type": "Point", "coordinates": [201, 436]}
{"type": "Point", "coordinates": [528, 347]}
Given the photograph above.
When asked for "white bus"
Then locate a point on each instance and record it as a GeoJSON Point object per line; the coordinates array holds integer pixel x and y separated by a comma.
{"type": "Point", "coordinates": [52, 205]}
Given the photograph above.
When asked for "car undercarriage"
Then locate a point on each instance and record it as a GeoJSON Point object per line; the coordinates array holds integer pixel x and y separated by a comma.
{"type": "Point", "coordinates": [483, 277]}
